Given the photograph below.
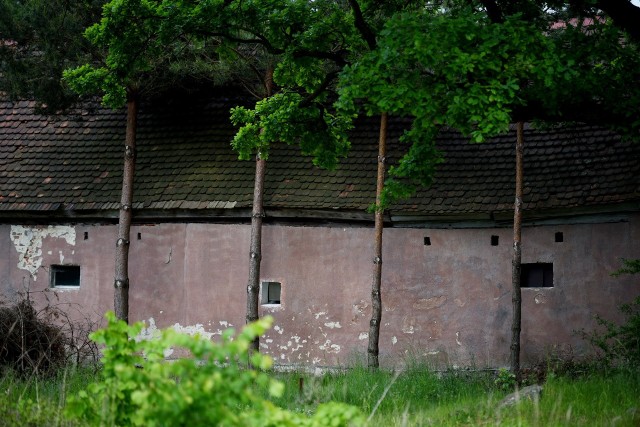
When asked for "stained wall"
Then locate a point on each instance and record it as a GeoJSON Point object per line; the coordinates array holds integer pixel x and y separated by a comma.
{"type": "Point", "coordinates": [448, 302]}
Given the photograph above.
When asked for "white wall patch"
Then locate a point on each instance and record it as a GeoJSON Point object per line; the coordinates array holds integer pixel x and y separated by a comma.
{"type": "Point", "coordinates": [28, 244]}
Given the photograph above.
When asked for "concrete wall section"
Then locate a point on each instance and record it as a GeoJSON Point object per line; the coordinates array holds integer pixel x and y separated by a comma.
{"type": "Point", "coordinates": [448, 302]}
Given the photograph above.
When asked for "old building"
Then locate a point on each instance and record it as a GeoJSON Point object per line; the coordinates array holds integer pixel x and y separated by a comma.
{"type": "Point", "coordinates": [447, 251]}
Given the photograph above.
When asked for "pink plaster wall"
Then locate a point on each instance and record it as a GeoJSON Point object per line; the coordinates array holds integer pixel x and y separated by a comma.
{"type": "Point", "coordinates": [448, 303]}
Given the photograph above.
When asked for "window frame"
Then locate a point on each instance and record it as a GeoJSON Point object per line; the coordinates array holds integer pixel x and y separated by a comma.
{"type": "Point", "coordinates": [63, 268]}
{"type": "Point", "coordinates": [544, 268]}
{"type": "Point", "coordinates": [265, 292]}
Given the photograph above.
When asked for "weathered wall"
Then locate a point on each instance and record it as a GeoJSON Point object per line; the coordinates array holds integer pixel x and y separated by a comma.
{"type": "Point", "coordinates": [448, 302]}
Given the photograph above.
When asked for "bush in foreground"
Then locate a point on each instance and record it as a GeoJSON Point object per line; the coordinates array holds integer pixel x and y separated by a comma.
{"type": "Point", "coordinates": [137, 387]}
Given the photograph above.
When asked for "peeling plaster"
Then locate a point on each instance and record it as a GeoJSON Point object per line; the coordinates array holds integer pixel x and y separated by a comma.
{"type": "Point", "coordinates": [333, 325]}
{"type": "Point", "coordinates": [458, 338]}
{"type": "Point", "coordinates": [408, 325]}
{"type": "Point", "coordinates": [196, 329]}
{"type": "Point", "coordinates": [540, 298]}
{"type": "Point", "coordinates": [394, 340]}
{"type": "Point", "coordinates": [329, 347]}
{"type": "Point", "coordinates": [358, 309]}
{"type": "Point", "coordinates": [363, 336]}
{"type": "Point", "coordinates": [28, 244]}
{"type": "Point", "coordinates": [151, 332]}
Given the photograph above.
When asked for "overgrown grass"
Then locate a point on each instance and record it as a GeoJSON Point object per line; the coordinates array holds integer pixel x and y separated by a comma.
{"type": "Point", "coordinates": [419, 397]}
{"type": "Point", "coordinates": [415, 397]}
{"type": "Point", "coordinates": [39, 401]}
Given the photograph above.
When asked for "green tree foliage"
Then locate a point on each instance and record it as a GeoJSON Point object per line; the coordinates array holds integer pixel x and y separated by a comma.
{"type": "Point", "coordinates": [134, 48]}
{"type": "Point", "coordinates": [39, 39]}
{"type": "Point", "coordinates": [212, 386]}
{"type": "Point", "coordinates": [460, 71]}
{"type": "Point", "coordinates": [478, 68]}
{"type": "Point", "coordinates": [310, 41]}
{"type": "Point", "coordinates": [282, 118]}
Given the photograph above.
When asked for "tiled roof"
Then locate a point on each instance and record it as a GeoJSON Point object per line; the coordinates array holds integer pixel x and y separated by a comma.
{"type": "Point", "coordinates": [73, 162]}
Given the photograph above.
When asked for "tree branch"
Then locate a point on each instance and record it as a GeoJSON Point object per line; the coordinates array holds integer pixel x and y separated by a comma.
{"type": "Point", "coordinates": [332, 56]}
{"type": "Point", "coordinates": [323, 86]}
{"type": "Point", "coordinates": [494, 12]}
{"type": "Point", "coordinates": [625, 15]}
{"type": "Point", "coordinates": [362, 26]}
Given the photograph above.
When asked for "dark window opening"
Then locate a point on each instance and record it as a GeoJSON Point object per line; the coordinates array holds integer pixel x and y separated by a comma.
{"type": "Point", "coordinates": [86, 235]}
{"type": "Point", "coordinates": [559, 237]}
{"type": "Point", "coordinates": [495, 240]}
{"type": "Point", "coordinates": [427, 241]}
{"type": "Point", "coordinates": [139, 236]}
{"type": "Point", "coordinates": [538, 275]}
{"type": "Point", "coordinates": [271, 292]}
{"type": "Point", "coordinates": [65, 276]}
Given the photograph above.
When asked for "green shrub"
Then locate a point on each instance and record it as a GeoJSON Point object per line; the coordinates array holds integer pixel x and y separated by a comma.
{"type": "Point", "coordinates": [620, 344]}
{"type": "Point", "coordinates": [630, 266]}
{"type": "Point", "coordinates": [212, 387]}
{"type": "Point", "coordinates": [505, 380]}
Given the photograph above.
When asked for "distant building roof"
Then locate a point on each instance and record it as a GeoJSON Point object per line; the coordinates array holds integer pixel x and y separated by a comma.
{"type": "Point", "coordinates": [70, 166]}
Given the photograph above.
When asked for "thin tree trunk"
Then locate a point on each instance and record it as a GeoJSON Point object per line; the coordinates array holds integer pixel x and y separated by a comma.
{"type": "Point", "coordinates": [516, 263]}
{"type": "Point", "coordinates": [121, 283]}
{"type": "Point", "coordinates": [376, 299]}
{"type": "Point", "coordinates": [255, 254]}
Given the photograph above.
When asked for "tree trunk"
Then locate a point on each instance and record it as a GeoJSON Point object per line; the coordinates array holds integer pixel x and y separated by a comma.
{"type": "Point", "coordinates": [121, 283]}
{"type": "Point", "coordinates": [516, 263]}
{"type": "Point", "coordinates": [376, 299]}
{"type": "Point", "coordinates": [255, 254]}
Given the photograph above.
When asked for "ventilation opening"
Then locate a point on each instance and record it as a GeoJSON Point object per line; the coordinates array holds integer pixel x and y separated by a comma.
{"type": "Point", "coordinates": [65, 276]}
{"type": "Point", "coordinates": [427, 241]}
{"type": "Point", "coordinates": [86, 235]}
{"type": "Point", "coordinates": [495, 240]}
{"type": "Point", "coordinates": [271, 292]}
{"type": "Point", "coordinates": [537, 275]}
{"type": "Point", "coordinates": [559, 237]}
{"type": "Point", "coordinates": [139, 236]}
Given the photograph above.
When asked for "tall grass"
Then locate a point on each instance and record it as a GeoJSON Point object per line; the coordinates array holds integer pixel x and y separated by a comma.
{"type": "Point", "coordinates": [39, 401]}
{"type": "Point", "coordinates": [414, 397]}
{"type": "Point", "coordinates": [419, 397]}
{"type": "Point", "coordinates": [599, 399]}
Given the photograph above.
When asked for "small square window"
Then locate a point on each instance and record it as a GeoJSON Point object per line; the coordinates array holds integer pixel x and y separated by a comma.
{"type": "Point", "coordinates": [65, 276]}
{"type": "Point", "coordinates": [427, 241]}
{"type": "Point", "coordinates": [495, 240]}
{"type": "Point", "coordinates": [271, 292]}
{"type": "Point", "coordinates": [536, 275]}
{"type": "Point", "coordinates": [559, 237]}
